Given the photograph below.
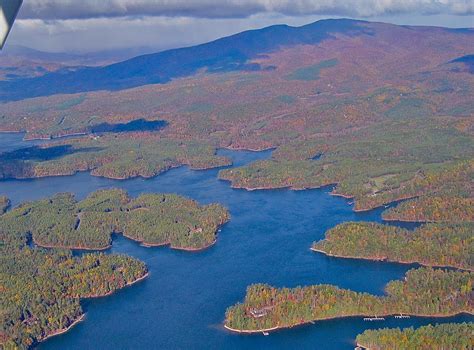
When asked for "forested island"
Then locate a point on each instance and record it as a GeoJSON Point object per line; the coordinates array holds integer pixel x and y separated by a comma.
{"type": "Point", "coordinates": [431, 244]}
{"type": "Point", "coordinates": [423, 292]}
{"type": "Point", "coordinates": [152, 219]}
{"type": "Point", "coordinates": [120, 156]}
{"type": "Point", "coordinates": [40, 289]}
{"type": "Point", "coordinates": [457, 336]}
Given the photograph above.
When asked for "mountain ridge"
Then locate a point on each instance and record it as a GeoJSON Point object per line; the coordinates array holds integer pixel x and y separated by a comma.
{"type": "Point", "coordinates": [231, 53]}
{"type": "Point", "coordinates": [225, 54]}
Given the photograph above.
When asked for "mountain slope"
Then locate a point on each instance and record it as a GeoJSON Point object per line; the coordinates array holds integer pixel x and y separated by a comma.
{"type": "Point", "coordinates": [226, 54]}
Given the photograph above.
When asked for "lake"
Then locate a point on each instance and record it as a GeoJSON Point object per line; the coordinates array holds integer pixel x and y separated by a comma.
{"type": "Point", "coordinates": [182, 303]}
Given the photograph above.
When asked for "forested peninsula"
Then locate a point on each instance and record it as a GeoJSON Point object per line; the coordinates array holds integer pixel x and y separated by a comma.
{"type": "Point", "coordinates": [433, 209]}
{"type": "Point", "coordinates": [423, 292]}
{"type": "Point", "coordinates": [431, 244]}
{"type": "Point", "coordinates": [443, 336]}
{"type": "Point", "coordinates": [40, 290]}
{"type": "Point", "coordinates": [152, 219]}
{"type": "Point", "coordinates": [121, 156]}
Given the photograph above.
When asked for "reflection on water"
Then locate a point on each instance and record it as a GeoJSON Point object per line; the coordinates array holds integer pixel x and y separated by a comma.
{"type": "Point", "coordinates": [182, 303]}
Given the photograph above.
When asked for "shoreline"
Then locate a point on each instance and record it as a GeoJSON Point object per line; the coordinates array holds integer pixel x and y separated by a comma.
{"type": "Point", "coordinates": [230, 148]}
{"type": "Point", "coordinates": [189, 249]}
{"type": "Point", "coordinates": [157, 245]}
{"type": "Point", "coordinates": [345, 196]}
{"type": "Point", "coordinates": [261, 188]}
{"type": "Point", "coordinates": [71, 247]}
{"type": "Point", "coordinates": [92, 172]}
{"type": "Point", "coordinates": [385, 259]}
{"type": "Point", "coordinates": [116, 290]}
{"type": "Point", "coordinates": [142, 243]}
{"type": "Point", "coordinates": [332, 193]}
{"type": "Point", "coordinates": [418, 221]}
{"type": "Point", "coordinates": [63, 330]}
{"type": "Point", "coordinates": [83, 316]}
{"type": "Point", "coordinates": [195, 250]}
{"type": "Point", "coordinates": [12, 132]}
{"type": "Point", "coordinates": [246, 331]}
{"type": "Point", "coordinates": [348, 257]}
{"type": "Point", "coordinates": [250, 331]}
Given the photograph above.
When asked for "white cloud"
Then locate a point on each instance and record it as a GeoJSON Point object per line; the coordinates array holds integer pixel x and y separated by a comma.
{"type": "Point", "coordinates": [96, 25]}
{"type": "Point", "coordinates": [67, 9]}
{"type": "Point", "coordinates": [158, 33]}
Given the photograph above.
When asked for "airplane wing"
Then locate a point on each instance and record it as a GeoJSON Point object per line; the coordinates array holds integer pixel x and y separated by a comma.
{"type": "Point", "coordinates": [8, 11]}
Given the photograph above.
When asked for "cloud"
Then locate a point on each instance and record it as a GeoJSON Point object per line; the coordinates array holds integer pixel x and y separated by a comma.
{"type": "Point", "coordinates": [96, 25]}
{"type": "Point", "coordinates": [81, 9]}
{"type": "Point", "coordinates": [158, 33]}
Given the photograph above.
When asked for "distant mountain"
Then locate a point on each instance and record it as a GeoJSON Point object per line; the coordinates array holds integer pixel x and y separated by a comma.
{"type": "Point", "coordinates": [233, 53]}
{"type": "Point", "coordinates": [227, 54]}
{"type": "Point", "coordinates": [19, 62]}
{"type": "Point", "coordinates": [75, 58]}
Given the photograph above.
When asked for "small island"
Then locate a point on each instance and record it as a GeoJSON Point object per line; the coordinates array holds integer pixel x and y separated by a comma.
{"type": "Point", "coordinates": [442, 336]}
{"type": "Point", "coordinates": [152, 219]}
{"type": "Point", "coordinates": [423, 292]}
{"type": "Point", "coordinates": [431, 244]}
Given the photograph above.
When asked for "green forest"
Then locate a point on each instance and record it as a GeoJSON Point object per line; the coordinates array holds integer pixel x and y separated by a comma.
{"type": "Point", "coordinates": [423, 292]}
{"type": "Point", "coordinates": [433, 209]}
{"type": "Point", "coordinates": [117, 157]}
{"type": "Point", "coordinates": [40, 290]}
{"type": "Point", "coordinates": [420, 167]}
{"type": "Point", "coordinates": [382, 113]}
{"type": "Point", "coordinates": [153, 219]}
{"type": "Point", "coordinates": [431, 244]}
{"type": "Point", "coordinates": [457, 336]}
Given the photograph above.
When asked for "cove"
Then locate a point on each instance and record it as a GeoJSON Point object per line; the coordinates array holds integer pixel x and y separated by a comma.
{"type": "Point", "coordinates": [181, 305]}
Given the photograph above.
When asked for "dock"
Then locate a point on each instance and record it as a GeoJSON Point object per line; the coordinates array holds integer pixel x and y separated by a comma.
{"type": "Point", "coordinates": [374, 318]}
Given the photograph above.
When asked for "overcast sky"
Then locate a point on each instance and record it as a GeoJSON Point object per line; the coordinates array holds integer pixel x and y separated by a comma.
{"type": "Point", "coordinates": [95, 25]}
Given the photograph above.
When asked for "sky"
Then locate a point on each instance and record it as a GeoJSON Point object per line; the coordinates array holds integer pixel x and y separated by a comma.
{"type": "Point", "coordinates": [99, 25]}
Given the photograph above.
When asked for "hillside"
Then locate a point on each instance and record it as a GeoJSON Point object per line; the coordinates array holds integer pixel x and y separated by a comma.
{"type": "Point", "coordinates": [378, 103]}
{"type": "Point", "coordinates": [381, 114]}
{"type": "Point", "coordinates": [227, 54]}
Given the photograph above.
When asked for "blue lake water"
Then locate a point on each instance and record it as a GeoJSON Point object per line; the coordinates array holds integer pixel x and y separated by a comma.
{"type": "Point", "coordinates": [182, 303]}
